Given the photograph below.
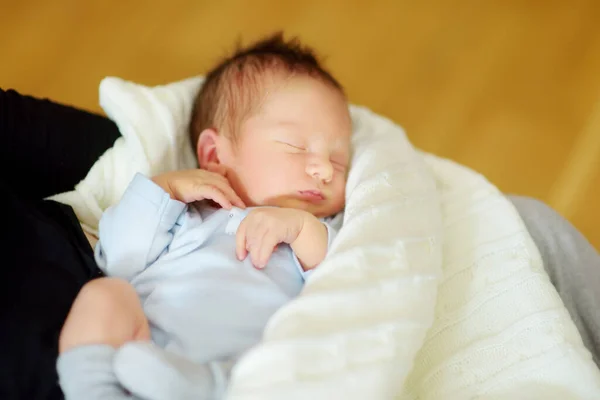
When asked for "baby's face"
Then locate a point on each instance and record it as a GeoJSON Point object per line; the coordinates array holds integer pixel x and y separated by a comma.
{"type": "Point", "coordinates": [294, 152]}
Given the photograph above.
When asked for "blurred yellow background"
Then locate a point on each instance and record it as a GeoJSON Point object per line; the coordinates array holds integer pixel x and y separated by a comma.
{"type": "Point", "coordinates": [509, 88]}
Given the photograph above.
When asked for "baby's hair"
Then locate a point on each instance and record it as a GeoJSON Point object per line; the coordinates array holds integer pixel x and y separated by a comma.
{"type": "Point", "coordinates": [235, 88]}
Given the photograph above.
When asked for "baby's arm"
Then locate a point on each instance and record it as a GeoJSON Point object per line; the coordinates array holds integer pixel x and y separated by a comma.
{"type": "Point", "coordinates": [136, 231]}
{"type": "Point", "coordinates": [312, 242]}
{"type": "Point", "coordinates": [106, 314]}
{"type": "Point", "coordinates": [264, 228]}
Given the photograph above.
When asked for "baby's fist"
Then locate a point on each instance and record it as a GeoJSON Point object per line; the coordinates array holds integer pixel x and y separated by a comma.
{"type": "Point", "coordinates": [264, 228]}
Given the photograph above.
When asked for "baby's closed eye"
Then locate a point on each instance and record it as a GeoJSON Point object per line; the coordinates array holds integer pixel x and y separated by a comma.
{"type": "Point", "coordinates": [338, 161]}
{"type": "Point", "coordinates": [296, 146]}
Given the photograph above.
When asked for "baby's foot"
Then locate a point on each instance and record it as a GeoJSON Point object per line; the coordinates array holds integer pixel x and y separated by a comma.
{"type": "Point", "coordinates": [155, 374]}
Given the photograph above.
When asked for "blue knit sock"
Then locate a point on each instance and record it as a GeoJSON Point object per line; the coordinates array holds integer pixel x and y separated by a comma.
{"type": "Point", "coordinates": [154, 374]}
{"type": "Point", "coordinates": [86, 373]}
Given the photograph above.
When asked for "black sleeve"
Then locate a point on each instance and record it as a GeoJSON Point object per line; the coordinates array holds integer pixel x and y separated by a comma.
{"type": "Point", "coordinates": [47, 148]}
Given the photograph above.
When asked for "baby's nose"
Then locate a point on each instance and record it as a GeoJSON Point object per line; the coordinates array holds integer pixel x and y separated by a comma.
{"type": "Point", "coordinates": [320, 169]}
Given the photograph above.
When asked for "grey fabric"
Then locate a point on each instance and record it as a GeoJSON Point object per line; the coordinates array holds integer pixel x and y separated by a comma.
{"type": "Point", "coordinates": [572, 264]}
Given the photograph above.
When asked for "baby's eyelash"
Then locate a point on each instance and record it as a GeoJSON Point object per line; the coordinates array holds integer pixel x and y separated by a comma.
{"type": "Point", "coordinates": [338, 165]}
{"type": "Point", "coordinates": [294, 146]}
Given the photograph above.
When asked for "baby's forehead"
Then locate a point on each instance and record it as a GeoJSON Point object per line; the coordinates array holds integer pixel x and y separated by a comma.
{"type": "Point", "coordinates": [297, 105]}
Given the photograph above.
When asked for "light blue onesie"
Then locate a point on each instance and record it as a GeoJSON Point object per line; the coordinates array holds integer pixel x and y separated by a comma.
{"type": "Point", "coordinates": [200, 300]}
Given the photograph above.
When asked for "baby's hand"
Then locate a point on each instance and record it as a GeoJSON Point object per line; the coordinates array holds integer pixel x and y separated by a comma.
{"type": "Point", "coordinates": [264, 228]}
{"type": "Point", "coordinates": [192, 185]}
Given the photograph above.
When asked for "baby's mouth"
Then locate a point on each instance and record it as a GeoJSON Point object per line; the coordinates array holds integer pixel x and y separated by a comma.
{"type": "Point", "coordinates": [314, 196]}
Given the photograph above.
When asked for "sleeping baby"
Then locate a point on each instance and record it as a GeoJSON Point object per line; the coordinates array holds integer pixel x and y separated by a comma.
{"type": "Point", "coordinates": [197, 261]}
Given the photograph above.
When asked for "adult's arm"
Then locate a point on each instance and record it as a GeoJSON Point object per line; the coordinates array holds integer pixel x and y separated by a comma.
{"type": "Point", "coordinates": [47, 148]}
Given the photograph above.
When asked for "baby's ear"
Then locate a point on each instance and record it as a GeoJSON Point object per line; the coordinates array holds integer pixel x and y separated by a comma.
{"type": "Point", "coordinates": [206, 148]}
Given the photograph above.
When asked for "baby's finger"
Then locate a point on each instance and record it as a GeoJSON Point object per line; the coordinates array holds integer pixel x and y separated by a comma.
{"type": "Point", "coordinates": [215, 194]}
{"type": "Point", "coordinates": [265, 250]}
{"type": "Point", "coordinates": [226, 188]}
{"type": "Point", "coordinates": [240, 240]}
{"type": "Point", "coordinates": [208, 176]}
{"type": "Point", "coordinates": [255, 242]}
{"type": "Point", "coordinates": [220, 170]}
{"type": "Point", "coordinates": [235, 199]}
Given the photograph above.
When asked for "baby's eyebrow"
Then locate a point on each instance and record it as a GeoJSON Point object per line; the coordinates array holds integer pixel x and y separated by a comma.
{"type": "Point", "coordinates": [284, 122]}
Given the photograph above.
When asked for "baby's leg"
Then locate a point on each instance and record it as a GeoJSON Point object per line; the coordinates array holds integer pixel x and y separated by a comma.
{"type": "Point", "coordinates": [106, 311]}
{"type": "Point", "coordinates": [105, 315]}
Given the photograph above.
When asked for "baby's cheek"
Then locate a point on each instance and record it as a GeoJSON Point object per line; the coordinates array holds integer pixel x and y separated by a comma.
{"type": "Point", "coordinates": [262, 188]}
{"type": "Point", "coordinates": [341, 197]}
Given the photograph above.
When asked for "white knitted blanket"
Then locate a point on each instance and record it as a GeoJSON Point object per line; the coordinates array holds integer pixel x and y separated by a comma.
{"type": "Point", "coordinates": [432, 290]}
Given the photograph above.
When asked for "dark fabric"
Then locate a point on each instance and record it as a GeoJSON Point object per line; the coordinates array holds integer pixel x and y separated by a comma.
{"type": "Point", "coordinates": [47, 148]}
{"type": "Point", "coordinates": [45, 261]}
